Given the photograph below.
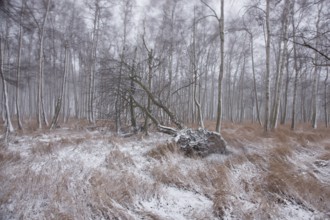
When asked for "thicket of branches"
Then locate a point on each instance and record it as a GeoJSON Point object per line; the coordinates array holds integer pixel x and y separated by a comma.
{"type": "Point", "coordinates": [169, 62]}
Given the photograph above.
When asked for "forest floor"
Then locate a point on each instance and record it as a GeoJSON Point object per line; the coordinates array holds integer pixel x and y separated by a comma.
{"type": "Point", "coordinates": [80, 173]}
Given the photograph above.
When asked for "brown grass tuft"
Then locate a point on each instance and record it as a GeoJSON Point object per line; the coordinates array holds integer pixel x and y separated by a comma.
{"type": "Point", "coordinates": [162, 151]}
{"type": "Point", "coordinates": [118, 160]}
{"type": "Point", "coordinates": [325, 156]}
{"type": "Point", "coordinates": [282, 151]}
{"type": "Point", "coordinates": [296, 186]}
{"type": "Point", "coordinates": [121, 188]}
{"type": "Point", "coordinates": [221, 185]}
{"type": "Point", "coordinates": [7, 157]}
{"type": "Point", "coordinates": [170, 174]}
{"type": "Point", "coordinates": [42, 148]}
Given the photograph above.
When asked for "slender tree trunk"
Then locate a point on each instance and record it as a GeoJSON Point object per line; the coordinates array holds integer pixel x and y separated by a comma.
{"type": "Point", "coordinates": [43, 111]}
{"type": "Point", "coordinates": [281, 60]}
{"type": "Point", "coordinates": [197, 103]}
{"type": "Point", "coordinates": [19, 123]}
{"type": "Point", "coordinates": [316, 72]}
{"type": "Point", "coordinates": [283, 119]}
{"type": "Point", "coordinates": [254, 79]}
{"type": "Point", "coordinates": [9, 126]}
{"type": "Point", "coordinates": [131, 94]}
{"type": "Point", "coordinates": [91, 87]}
{"type": "Point", "coordinates": [267, 92]}
{"type": "Point", "coordinates": [40, 83]}
{"type": "Point", "coordinates": [296, 70]}
{"type": "Point", "coordinates": [326, 99]}
{"type": "Point", "coordinates": [221, 69]}
{"type": "Point", "coordinates": [150, 75]}
{"type": "Point", "coordinates": [60, 99]}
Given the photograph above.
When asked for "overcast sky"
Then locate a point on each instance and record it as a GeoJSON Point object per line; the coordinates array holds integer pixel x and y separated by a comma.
{"type": "Point", "coordinates": [232, 7]}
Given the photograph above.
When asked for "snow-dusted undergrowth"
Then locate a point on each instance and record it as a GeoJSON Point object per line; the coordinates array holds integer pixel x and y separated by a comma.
{"type": "Point", "coordinates": [70, 174]}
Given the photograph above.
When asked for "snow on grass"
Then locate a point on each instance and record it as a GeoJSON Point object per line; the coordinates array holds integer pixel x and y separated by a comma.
{"type": "Point", "coordinates": [173, 203]}
{"type": "Point", "coordinates": [70, 174]}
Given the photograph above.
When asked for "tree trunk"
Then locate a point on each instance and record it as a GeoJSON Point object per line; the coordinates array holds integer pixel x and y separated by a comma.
{"type": "Point", "coordinates": [221, 70]}
{"type": "Point", "coordinates": [267, 92]}
{"type": "Point", "coordinates": [19, 123]}
{"type": "Point", "coordinates": [295, 61]}
{"type": "Point", "coordinates": [283, 119]}
{"type": "Point", "coordinates": [326, 99]}
{"type": "Point", "coordinates": [9, 126]}
{"type": "Point", "coordinates": [281, 60]}
{"type": "Point", "coordinates": [254, 79]}
{"type": "Point", "coordinates": [60, 99]}
{"type": "Point", "coordinates": [131, 94]}
{"type": "Point", "coordinates": [150, 69]}
{"type": "Point", "coordinates": [158, 103]}
{"type": "Point", "coordinates": [316, 72]}
{"type": "Point", "coordinates": [198, 105]}
{"type": "Point", "coordinates": [92, 64]}
{"type": "Point", "coordinates": [40, 83]}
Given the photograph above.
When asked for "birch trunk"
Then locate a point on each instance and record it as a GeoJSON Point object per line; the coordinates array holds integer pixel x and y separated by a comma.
{"type": "Point", "coordinates": [221, 70]}
{"type": "Point", "coordinates": [19, 123]}
{"type": "Point", "coordinates": [296, 70]}
{"type": "Point", "coordinates": [254, 79]}
{"type": "Point", "coordinates": [9, 126]}
{"type": "Point", "coordinates": [60, 99]}
{"type": "Point", "coordinates": [40, 111]}
{"type": "Point", "coordinates": [267, 92]}
{"type": "Point", "coordinates": [197, 103]}
{"type": "Point", "coordinates": [316, 72]}
{"type": "Point", "coordinates": [281, 60]}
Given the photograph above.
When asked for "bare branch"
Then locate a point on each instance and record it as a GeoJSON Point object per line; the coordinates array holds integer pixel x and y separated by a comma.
{"type": "Point", "coordinates": [214, 12]}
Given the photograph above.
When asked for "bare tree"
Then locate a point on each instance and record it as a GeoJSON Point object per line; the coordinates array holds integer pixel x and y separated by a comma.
{"type": "Point", "coordinates": [195, 74]}
{"type": "Point", "coordinates": [60, 99]}
{"type": "Point", "coordinates": [9, 126]}
{"type": "Point", "coordinates": [281, 64]}
{"type": "Point", "coordinates": [316, 70]}
{"type": "Point", "coordinates": [20, 39]}
{"type": "Point", "coordinates": [221, 24]}
{"type": "Point", "coordinates": [267, 76]}
{"type": "Point", "coordinates": [41, 115]}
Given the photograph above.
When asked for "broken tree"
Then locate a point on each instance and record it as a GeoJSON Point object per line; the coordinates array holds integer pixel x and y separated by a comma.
{"type": "Point", "coordinates": [200, 142]}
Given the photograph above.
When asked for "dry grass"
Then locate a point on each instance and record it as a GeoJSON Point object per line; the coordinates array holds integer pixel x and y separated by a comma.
{"type": "Point", "coordinates": [42, 148]}
{"type": "Point", "coordinates": [8, 157]}
{"type": "Point", "coordinates": [171, 175]}
{"type": "Point", "coordinates": [163, 151]}
{"type": "Point", "coordinates": [122, 189]}
{"type": "Point", "coordinates": [118, 160]}
{"type": "Point", "coordinates": [302, 188]}
{"type": "Point", "coordinates": [266, 177]}
{"type": "Point", "coordinates": [282, 150]}
{"type": "Point", "coordinates": [325, 156]}
{"type": "Point", "coordinates": [221, 184]}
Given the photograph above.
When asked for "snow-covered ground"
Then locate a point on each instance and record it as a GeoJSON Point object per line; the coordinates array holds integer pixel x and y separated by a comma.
{"type": "Point", "coordinates": [71, 174]}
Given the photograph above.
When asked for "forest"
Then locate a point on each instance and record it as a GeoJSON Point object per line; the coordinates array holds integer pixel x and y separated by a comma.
{"type": "Point", "coordinates": [103, 60]}
{"type": "Point", "coordinates": [93, 87]}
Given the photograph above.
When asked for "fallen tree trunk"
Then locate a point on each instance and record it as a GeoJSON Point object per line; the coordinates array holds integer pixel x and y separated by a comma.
{"type": "Point", "coordinates": [159, 104]}
{"type": "Point", "coordinates": [199, 142]}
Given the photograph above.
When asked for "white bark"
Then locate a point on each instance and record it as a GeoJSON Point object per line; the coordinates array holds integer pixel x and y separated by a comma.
{"type": "Point", "coordinates": [267, 92]}
{"type": "Point", "coordinates": [9, 126]}
{"type": "Point", "coordinates": [40, 111]}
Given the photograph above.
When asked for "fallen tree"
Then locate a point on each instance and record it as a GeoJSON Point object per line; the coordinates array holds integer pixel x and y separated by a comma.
{"type": "Point", "coordinates": [199, 142]}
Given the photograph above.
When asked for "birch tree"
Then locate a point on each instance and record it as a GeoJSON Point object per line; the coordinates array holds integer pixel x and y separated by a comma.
{"type": "Point", "coordinates": [267, 75]}
{"type": "Point", "coordinates": [18, 73]}
{"type": "Point", "coordinates": [9, 126]}
{"type": "Point", "coordinates": [41, 114]}
{"type": "Point", "coordinates": [221, 23]}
